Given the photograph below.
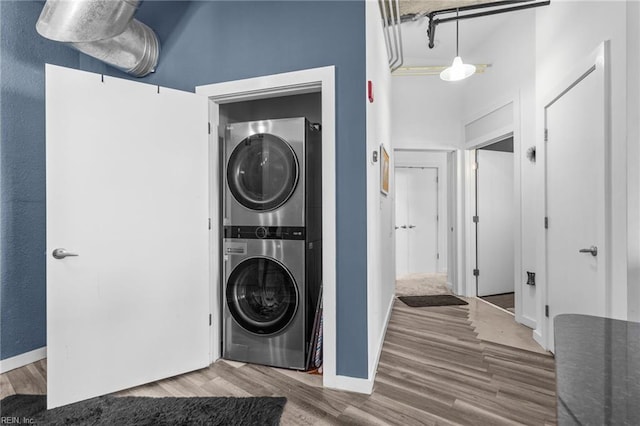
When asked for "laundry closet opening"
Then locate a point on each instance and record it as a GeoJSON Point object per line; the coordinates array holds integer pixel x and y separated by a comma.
{"type": "Point", "coordinates": [270, 222]}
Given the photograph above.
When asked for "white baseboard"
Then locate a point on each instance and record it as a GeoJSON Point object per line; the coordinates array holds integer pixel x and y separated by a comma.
{"type": "Point", "coordinates": [538, 338]}
{"type": "Point", "coordinates": [354, 384]}
{"type": "Point", "coordinates": [373, 369]}
{"type": "Point", "coordinates": [22, 359]}
{"type": "Point", "coordinates": [351, 384]}
{"type": "Point", "coordinates": [525, 320]}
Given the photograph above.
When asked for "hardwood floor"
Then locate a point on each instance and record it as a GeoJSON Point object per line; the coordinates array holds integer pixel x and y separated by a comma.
{"type": "Point", "coordinates": [433, 371]}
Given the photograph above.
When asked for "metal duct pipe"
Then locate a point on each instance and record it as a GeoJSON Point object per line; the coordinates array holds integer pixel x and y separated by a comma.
{"type": "Point", "coordinates": [103, 29]}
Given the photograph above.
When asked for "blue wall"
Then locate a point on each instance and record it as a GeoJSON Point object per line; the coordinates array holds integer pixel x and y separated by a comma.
{"type": "Point", "coordinates": [209, 42]}
{"type": "Point", "coordinates": [22, 175]}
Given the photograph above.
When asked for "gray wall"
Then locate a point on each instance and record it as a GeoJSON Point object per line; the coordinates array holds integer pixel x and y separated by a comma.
{"type": "Point", "coordinates": [202, 43]}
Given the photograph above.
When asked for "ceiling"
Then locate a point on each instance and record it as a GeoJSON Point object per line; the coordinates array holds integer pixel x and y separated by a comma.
{"type": "Point", "coordinates": [409, 8]}
{"type": "Point", "coordinates": [474, 33]}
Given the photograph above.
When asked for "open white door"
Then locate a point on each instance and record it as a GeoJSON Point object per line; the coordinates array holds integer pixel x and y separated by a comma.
{"type": "Point", "coordinates": [496, 212]}
{"type": "Point", "coordinates": [127, 191]}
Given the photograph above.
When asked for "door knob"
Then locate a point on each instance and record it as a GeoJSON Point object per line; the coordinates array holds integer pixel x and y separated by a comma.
{"type": "Point", "coordinates": [593, 250]}
{"type": "Point", "coordinates": [404, 227]}
{"type": "Point", "coordinates": [61, 253]}
{"type": "Point", "coordinates": [411, 226]}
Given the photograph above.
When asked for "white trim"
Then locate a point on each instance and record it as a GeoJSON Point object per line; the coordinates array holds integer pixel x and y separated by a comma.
{"type": "Point", "coordinates": [373, 368]}
{"type": "Point", "coordinates": [496, 135]}
{"type": "Point", "coordinates": [21, 360]}
{"type": "Point", "coordinates": [539, 340]}
{"type": "Point", "coordinates": [600, 58]}
{"type": "Point", "coordinates": [351, 384]}
{"type": "Point", "coordinates": [528, 321]}
{"type": "Point", "coordinates": [305, 81]}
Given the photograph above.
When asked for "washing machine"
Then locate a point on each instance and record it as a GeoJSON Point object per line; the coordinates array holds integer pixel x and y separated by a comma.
{"type": "Point", "coordinates": [270, 294]}
{"type": "Point", "coordinates": [272, 173]}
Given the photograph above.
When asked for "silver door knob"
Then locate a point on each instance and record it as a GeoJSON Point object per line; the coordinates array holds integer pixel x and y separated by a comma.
{"type": "Point", "coordinates": [593, 250]}
{"type": "Point", "coordinates": [61, 253]}
{"type": "Point", "coordinates": [411, 226]}
{"type": "Point", "coordinates": [404, 227]}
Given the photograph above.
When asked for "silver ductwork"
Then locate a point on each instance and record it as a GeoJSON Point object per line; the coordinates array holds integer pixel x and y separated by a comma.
{"type": "Point", "coordinates": [103, 29]}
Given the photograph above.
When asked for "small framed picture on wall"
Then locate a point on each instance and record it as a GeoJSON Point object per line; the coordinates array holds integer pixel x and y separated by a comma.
{"type": "Point", "coordinates": [384, 170]}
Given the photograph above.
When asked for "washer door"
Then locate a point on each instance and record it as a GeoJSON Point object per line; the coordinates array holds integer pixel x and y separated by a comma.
{"type": "Point", "coordinates": [262, 295]}
{"type": "Point", "coordinates": [262, 172]}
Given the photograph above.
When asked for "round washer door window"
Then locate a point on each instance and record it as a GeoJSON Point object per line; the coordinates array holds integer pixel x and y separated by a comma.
{"type": "Point", "coordinates": [262, 172]}
{"type": "Point", "coordinates": [262, 296]}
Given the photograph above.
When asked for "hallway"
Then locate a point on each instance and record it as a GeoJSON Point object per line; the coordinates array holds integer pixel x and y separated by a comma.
{"type": "Point", "coordinates": [435, 368]}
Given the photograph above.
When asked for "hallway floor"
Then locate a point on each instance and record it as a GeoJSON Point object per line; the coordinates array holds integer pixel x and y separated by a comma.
{"type": "Point", "coordinates": [444, 365]}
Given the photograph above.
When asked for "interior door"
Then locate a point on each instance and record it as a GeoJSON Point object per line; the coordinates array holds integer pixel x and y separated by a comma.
{"type": "Point", "coordinates": [575, 188]}
{"type": "Point", "coordinates": [416, 220]}
{"type": "Point", "coordinates": [402, 234]}
{"type": "Point", "coordinates": [495, 242]}
{"type": "Point", "coordinates": [127, 234]}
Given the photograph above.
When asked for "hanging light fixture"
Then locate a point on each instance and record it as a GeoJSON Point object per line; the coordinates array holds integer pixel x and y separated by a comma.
{"type": "Point", "coordinates": [458, 69]}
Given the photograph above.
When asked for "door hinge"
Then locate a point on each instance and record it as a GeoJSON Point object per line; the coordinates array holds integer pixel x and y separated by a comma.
{"type": "Point", "coordinates": [209, 223]}
{"type": "Point", "coordinates": [546, 311]}
{"type": "Point", "coordinates": [476, 219]}
{"type": "Point", "coordinates": [437, 256]}
{"type": "Point", "coordinates": [209, 320]}
{"type": "Point", "coordinates": [209, 127]}
{"type": "Point", "coordinates": [546, 223]}
{"type": "Point", "coordinates": [476, 272]}
{"type": "Point", "coordinates": [437, 217]}
{"type": "Point", "coordinates": [437, 179]}
{"type": "Point", "coordinates": [546, 135]}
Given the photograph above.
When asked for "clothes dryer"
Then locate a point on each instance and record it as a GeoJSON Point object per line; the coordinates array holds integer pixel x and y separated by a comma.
{"type": "Point", "coordinates": [270, 172]}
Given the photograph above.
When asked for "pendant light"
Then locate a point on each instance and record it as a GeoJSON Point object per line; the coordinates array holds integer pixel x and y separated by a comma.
{"type": "Point", "coordinates": [458, 69]}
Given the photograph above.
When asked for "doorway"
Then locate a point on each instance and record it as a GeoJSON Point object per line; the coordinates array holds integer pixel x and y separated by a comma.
{"type": "Point", "coordinates": [420, 225]}
{"type": "Point", "coordinates": [493, 219]}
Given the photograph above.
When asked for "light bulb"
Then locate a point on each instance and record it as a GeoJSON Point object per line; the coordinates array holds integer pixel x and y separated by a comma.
{"type": "Point", "coordinates": [458, 70]}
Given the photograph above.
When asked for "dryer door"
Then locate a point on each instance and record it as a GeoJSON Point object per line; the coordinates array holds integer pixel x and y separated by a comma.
{"type": "Point", "coordinates": [262, 172]}
{"type": "Point", "coordinates": [262, 295]}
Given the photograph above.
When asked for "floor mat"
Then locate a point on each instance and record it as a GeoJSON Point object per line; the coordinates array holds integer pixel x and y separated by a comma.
{"type": "Point", "coordinates": [437, 300]}
{"type": "Point", "coordinates": [505, 301]}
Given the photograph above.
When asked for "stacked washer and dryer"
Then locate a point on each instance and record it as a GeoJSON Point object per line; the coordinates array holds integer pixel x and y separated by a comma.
{"type": "Point", "coordinates": [272, 246]}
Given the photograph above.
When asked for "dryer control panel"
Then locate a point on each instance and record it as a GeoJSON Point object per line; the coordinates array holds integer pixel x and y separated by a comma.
{"type": "Point", "coordinates": [265, 232]}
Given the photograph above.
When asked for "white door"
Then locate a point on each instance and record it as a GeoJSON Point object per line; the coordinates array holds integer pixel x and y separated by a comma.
{"type": "Point", "coordinates": [416, 220]}
{"type": "Point", "coordinates": [575, 188]}
{"type": "Point", "coordinates": [127, 191]}
{"type": "Point", "coordinates": [495, 242]}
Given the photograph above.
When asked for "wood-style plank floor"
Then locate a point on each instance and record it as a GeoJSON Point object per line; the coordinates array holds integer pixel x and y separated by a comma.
{"type": "Point", "coordinates": [433, 371]}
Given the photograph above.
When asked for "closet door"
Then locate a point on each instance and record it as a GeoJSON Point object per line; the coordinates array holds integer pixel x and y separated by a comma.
{"type": "Point", "coordinates": [127, 234]}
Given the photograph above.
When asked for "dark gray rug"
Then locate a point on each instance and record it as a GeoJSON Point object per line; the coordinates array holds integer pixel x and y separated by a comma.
{"type": "Point", "coordinates": [438, 300]}
{"type": "Point", "coordinates": [125, 411]}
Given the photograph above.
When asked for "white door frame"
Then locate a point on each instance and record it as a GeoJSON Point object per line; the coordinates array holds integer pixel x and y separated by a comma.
{"type": "Point", "coordinates": [512, 129]}
{"type": "Point", "coordinates": [599, 59]}
{"type": "Point", "coordinates": [291, 83]}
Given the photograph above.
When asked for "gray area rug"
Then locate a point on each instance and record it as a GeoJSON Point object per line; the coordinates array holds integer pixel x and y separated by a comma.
{"type": "Point", "coordinates": [125, 411]}
{"type": "Point", "coordinates": [425, 301]}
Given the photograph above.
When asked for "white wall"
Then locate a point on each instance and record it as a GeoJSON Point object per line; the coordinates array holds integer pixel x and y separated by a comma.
{"type": "Point", "coordinates": [380, 212]}
{"type": "Point", "coordinates": [425, 113]}
{"type": "Point", "coordinates": [510, 49]}
{"type": "Point", "coordinates": [436, 159]}
{"type": "Point", "coordinates": [567, 32]}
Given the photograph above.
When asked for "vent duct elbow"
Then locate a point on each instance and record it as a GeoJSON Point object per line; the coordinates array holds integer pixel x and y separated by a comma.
{"type": "Point", "coordinates": [103, 29]}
